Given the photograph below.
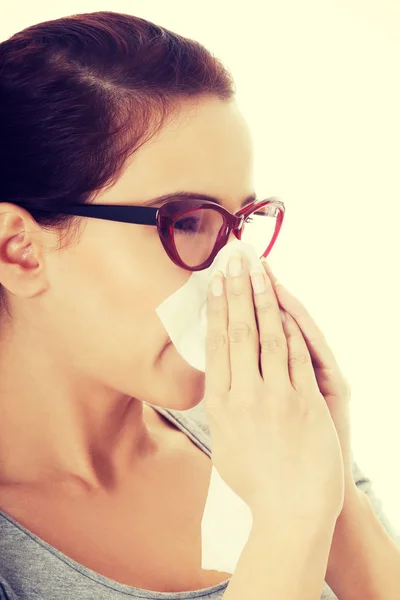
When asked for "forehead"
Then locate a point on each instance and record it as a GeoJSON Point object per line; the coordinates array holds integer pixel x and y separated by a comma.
{"type": "Point", "coordinates": [205, 126]}
{"type": "Point", "coordinates": [206, 146]}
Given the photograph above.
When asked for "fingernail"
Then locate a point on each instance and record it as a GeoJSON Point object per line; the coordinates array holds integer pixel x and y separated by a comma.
{"type": "Point", "coordinates": [258, 282]}
{"type": "Point", "coordinates": [235, 265]}
{"type": "Point", "coordinates": [270, 274]}
{"type": "Point", "coordinates": [217, 286]}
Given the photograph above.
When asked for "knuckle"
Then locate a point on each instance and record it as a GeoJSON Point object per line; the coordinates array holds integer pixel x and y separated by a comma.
{"type": "Point", "coordinates": [264, 304]}
{"type": "Point", "coordinates": [303, 395]}
{"type": "Point", "coordinates": [238, 332]}
{"type": "Point", "coordinates": [271, 344]}
{"type": "Point", "coordinates": [216, 340]}
{"type": "Point", "coordinates": [236, 287]}
{"type": "Point", "coordinates": [307, 408]}
{"type": "Point", "coordinates": [216, 308]}
{"type": "Point", "coordinates": [212, 408]}
{"type": "Point", "coordinates": [299, 358]}
{"type": "Point", "coordinates": [212, 400]}
{"type": "Point", "coordinates": [240, 404]}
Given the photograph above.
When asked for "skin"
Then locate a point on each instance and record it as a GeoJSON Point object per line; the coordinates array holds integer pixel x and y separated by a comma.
{"type": "Point", "coordinates": [85, 348]}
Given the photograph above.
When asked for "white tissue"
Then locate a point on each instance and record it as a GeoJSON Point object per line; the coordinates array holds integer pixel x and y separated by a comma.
{"type": "Point", "coordinates": [227, 520]}
{"type": "Point", "coordinates": [225, 526]}
{"type": "Point", "coordinates": [184, 313]}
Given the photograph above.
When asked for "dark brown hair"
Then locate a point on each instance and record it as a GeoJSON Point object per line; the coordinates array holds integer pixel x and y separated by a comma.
{"type": "Point", "coordinates": [79, 95]}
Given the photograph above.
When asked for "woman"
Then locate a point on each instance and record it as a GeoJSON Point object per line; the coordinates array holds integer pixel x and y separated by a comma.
{"type": "Point", "coordinates": [102, 483]}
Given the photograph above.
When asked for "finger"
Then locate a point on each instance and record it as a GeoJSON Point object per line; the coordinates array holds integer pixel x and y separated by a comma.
{"type": "Point", "coordinates": [273, 345]}
{"type": "Point", "coordinates": [330, 378]}
{"type": "Point", "coordinates": [300, 365]}
{"type": "Point", "coordinates": [242, 327]}
{"type": "Point", "coordinates": [319, 348]}
{"type": "Point", "coordinates": [217, 374]}
{"type": "Point", "coordinates": [321, 353]}
{"type": "Point", "coordinates": [301, 370]}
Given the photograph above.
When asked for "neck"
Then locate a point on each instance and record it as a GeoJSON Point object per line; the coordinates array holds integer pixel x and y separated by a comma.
{"type": "Point", "coordinates": [58, 426]}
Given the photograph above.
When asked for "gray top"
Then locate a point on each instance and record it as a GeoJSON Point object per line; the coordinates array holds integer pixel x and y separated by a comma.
{"type": "Point", "coordinates": [31, 569]}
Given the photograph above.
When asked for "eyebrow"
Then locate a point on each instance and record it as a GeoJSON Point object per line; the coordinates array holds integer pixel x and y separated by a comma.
{"type": "Point", "coordinates": [193, 196]}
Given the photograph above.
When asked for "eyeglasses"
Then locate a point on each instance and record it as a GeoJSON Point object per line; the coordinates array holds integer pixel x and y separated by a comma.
{"type": "Point", "coordinates": [193, 231]}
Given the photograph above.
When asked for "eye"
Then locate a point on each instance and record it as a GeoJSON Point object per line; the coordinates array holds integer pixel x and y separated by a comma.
{"type": "Point", "coordinates": [187, 225]}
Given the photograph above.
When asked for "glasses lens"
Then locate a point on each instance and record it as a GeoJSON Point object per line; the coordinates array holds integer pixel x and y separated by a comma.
{"type": "Point", "coordinates": [195, 235]}
{"type": "Point", "coordinates": [259, 228]}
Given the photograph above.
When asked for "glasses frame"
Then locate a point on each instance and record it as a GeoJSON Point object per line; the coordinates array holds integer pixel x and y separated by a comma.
{"type": "Point", "coordinates": [165, 216]}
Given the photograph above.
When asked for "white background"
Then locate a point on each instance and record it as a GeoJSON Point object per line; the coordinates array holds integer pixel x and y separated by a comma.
{"type": "Point", "coordinates": [318, 82]}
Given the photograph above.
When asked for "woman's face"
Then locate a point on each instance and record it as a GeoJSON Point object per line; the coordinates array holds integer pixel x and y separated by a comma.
{"type": "Point", "coordinates": [98, 307]}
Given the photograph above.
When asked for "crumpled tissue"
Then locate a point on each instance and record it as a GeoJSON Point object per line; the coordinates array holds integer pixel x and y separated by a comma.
{"type": "Point", "coordinates": [227, 519]}
{"type": "Point", "coordinates": [184, 313]}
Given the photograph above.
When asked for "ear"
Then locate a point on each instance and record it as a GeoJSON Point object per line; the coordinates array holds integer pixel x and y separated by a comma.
{"type": "Point", "coordinates": [22, 265]}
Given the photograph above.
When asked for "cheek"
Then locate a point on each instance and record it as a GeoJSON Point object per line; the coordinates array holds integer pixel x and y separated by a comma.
{"type": "Point", "coordinates": [129, 267]}
{"type": "Point", "coordinates": [110, 284]}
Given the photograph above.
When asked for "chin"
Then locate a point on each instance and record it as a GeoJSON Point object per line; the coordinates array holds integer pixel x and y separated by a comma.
{"type": "Point", "coordinates": [185, 385]}
{"type": "Point", "coordinates": [186, 389]}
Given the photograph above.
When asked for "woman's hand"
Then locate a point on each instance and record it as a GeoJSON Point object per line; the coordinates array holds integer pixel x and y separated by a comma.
{"type": "Point", "coordinates": [331, 382]}
{"type": "Point", "coordinates": [273, 439]}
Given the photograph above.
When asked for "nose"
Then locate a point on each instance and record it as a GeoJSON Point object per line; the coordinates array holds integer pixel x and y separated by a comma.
{"type": "Point", "coordinates": [232, 236]}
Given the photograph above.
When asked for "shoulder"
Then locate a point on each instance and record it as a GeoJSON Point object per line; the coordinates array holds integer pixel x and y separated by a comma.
{"type": "Point", "coordinates": [194, 423]}
{"type": "Point", "coordinates": [365, 484]}
{"type": "Point", "coordinates": [6, 592]}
